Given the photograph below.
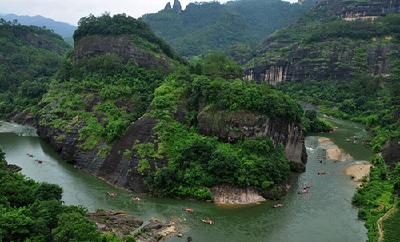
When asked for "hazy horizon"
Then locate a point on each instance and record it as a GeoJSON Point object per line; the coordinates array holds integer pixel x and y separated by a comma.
{"type": "Point", "coordinates": [70, 11]}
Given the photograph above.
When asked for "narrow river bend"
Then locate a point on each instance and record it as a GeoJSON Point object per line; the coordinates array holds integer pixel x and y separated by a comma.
{"type": "Point", "coordinates": [324, 214]}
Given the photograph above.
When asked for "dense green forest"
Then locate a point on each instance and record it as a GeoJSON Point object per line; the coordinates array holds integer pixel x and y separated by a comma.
{"type": "Point", "coordinates": [205, 27]}
{"type": "Point", "coordinates": [29, 57]}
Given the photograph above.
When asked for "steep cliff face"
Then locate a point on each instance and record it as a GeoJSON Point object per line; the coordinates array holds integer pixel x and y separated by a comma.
{"type": "Point", "coordinates": [123, 46]}
{"type": "Point", "coordinates": [119, 165]}
{"type": "Point", "coordinates": [225, 195]}
{"type": "Point", "coordinates": [126, 37]}
{"type": "Point", "coordinates": [357, 10]}
{"type": "Point", "coordinates": [177, 7]}
{"type": "Point", "coordinates": [234, 126]}
{"type": "Point", "coordinates": [334, 60]}
{"type": "Point", "coordinates": [324, 46]}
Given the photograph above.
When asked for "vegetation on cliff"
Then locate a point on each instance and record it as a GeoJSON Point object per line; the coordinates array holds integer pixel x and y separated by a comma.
{"type": "Point", "coordinates": [95, 98]}
{"type": "Point", "coordinates": [197, 162]}
{"type": "Point", "coordinates": [105, 92]}
{"type": "Point", "coordinates": [105, 96]}
{"type": "Point", "coordinates": [29, 57]}
{"type": "Point", "coordinates": [204, 27]}
{"type": "Point", "coordinates": [122, 24]}
{"type": "Point", "coordinates": [369, 93]}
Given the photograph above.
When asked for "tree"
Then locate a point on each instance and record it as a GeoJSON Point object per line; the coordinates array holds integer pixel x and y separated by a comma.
{"type": "Point", "coordinates": [48, 191]}
{"type": "Point", "coordinates": [219, 65]}
{"type": "Point", "coordinates": [74, 227]}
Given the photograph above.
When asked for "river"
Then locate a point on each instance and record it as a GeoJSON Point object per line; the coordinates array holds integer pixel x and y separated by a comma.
{"type": "Point", "coordinates": [324, 214]}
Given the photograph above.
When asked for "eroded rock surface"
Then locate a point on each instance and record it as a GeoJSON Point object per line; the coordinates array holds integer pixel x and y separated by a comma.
{"type": "Point", "coordinates": [232, 126]}
{"type": "Point", "coordinates": [123, 46]}
{"type": "Point", "coordinates": [227, 195]}
{"type": "Point", "coordinates": [119, 223]}
{"type": "Point", "coordinates": [124, 225]}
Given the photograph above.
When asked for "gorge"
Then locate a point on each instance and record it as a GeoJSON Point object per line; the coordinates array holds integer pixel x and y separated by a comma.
{"type": "Point", "coordinates": [301, 218]}
{"type": "Point", "coordinates": [245, 144]}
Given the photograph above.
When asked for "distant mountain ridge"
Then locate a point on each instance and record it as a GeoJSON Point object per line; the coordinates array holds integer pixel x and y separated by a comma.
{"type": "Point", "coordinates": [64, 29]}
{"type": "Point", "coordinates": [212, 26]}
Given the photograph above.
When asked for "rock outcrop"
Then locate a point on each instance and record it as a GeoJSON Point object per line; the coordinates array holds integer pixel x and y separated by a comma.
{"type": "Point", "coordinates": [391, 152]}
{"type": "Point", "coordinates": [227, 195]}
{"type": "Point", "coordinates": [122, 171]}
{"type": "Point", "coordinates": [168, 6]}
{"type": "Point", "coordinates": [358, 10]}
{"type": "Point", "coordinates": [124, 225]}
{"type": "Point", "coordinates": [369, 10]}
{"type": "Point", "coordinates": [177, 6]}
{"type": "Point", "coordinates": [290, 56]}
{"type": "Point", "coordinates": [232, 126]}
{"type": "Point", "coordinates": [333, 61]}
{"type": "Point", "coordinates": [119, 223]}
{"type": "Point", "coordinates": [115, 168]}
{"type": "Point", "coordinates": [121, 45]}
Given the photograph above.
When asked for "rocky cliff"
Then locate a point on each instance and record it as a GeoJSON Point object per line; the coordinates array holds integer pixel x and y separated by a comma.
{"type": "Point", "coordinates": [234, 126]}
{"type": "Point", "coordinates": [368, 10]}
{"type": "Point", "coordinates": [177, 7]}
{"type": "Point", "coordinates": [115, 167]}
{"type": "Point", "coordinates": [123, 46]}
{"type": "Point", "coordinates": [225, 195]}
{"type": "Point", "coordinates": [328, 60]}
{"type": "Point", "coordinates": [332, 49]}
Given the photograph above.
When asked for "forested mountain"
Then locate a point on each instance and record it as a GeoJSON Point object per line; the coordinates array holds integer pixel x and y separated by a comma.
{"type": "Point", "coordinates": [142, 118]}
{"type": "Point", "coordinates": [208, 26]}
{"type": "Point", "coordinates": [29, 56]}
{"type": "Point", "coordinates": [64, 29]}
{"type": "Point", "coordinates": [344, 56]}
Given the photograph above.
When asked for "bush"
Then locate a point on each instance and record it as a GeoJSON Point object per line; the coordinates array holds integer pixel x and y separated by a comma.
{"type": "Point", "coordinates": [47, 191]}
{"type": "Point", "coordinates": [75, 227]}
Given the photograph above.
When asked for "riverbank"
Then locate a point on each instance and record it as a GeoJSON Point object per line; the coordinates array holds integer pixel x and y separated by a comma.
{"type": "Point", "coordinates": [301, 219]}
{"type": "Point", "coordinates": [358, 172]}
{"type": "Point", "coordinates": [332, 150]}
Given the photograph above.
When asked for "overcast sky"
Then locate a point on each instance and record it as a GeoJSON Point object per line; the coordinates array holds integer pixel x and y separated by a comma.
{"type": "Point", "coordinates": [71, 11]}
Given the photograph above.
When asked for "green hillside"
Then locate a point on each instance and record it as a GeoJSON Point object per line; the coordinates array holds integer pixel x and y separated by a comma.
{"type": "Point", "coordinates": [204, 27]}
{"type": "Point", "coordinates": [29, 57]}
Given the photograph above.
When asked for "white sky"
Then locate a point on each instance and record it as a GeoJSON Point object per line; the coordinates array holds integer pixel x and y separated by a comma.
{"type": "Point", "coordinates": [71, 11]}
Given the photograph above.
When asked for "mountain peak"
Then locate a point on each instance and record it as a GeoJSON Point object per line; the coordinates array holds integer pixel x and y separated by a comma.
{"type": "Point", "coordinates": [177, 6]}
{"type": "Point", "coordinates": [168, 6]}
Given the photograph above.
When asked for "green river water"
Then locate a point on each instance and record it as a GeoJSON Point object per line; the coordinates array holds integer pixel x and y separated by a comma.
{"type": "Point", "coordinates": [325, 214]}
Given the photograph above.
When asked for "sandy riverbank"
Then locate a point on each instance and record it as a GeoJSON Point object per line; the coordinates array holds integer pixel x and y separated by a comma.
{"type": "Point", "coordinates": [358, 171]}
{"type": "Point", "coordinates": [332, 151]}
